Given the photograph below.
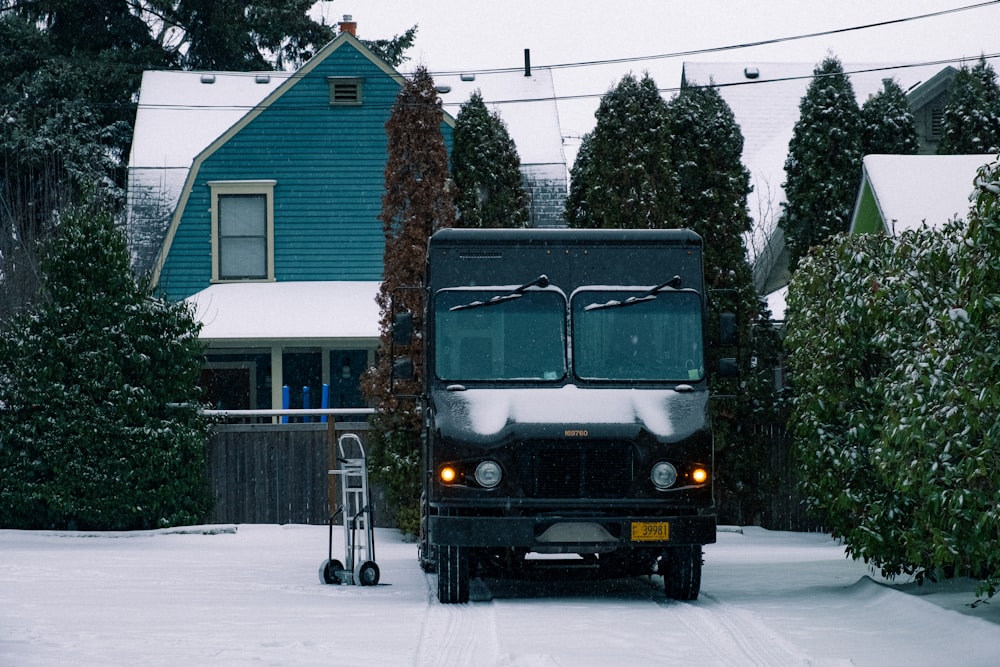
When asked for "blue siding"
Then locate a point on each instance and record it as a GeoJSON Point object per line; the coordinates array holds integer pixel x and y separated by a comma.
{"type": "Point", "coordinates": [328, 164]}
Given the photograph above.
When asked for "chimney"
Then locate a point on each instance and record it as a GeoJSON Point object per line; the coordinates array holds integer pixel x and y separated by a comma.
{"type": "Point", "coordinates": [349, 25]}
{"type": "Point", "coordinates": [527, 62]}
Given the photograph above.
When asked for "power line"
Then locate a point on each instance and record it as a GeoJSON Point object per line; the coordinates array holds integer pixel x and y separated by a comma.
{"type": "Point", "coordinates": [752, 82]}
{"type": "Point", "coordinates": [729, 47]}
{"type": "Point", "coordinates": [677, 54]}
{"type": "Point", "coordinates": [583, 96]}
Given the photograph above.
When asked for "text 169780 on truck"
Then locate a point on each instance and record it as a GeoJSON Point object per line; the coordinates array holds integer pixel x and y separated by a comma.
{"type": "Point", "coordinates": [565, 404]}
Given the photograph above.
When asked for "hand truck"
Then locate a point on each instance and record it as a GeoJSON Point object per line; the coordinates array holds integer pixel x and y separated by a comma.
{"type": "Point", "coordinates": [355, 511]}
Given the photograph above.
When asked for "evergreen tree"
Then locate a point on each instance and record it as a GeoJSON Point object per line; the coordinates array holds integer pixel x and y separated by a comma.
{"type": "Point", "coordinates": [824, 161]}
{"type": "Point", "coordinates": [65, 128]}
{"type": "Point", "coordinates": [486, 170]}
{"type": "Point", "coordinates": [972, 115]}
{"type": "Point", "coordinates": [415, 204]}
{"type": "Point", "coordinates": [713, 186]}
{"type": "Point", "coordinates": [887, 124]}
{"type": "Point", "coordinates": [100, 427]}
{"type": "Point", "coordinates": [623, 177]}
{"type": "Point", "coordinates": [71, 71]}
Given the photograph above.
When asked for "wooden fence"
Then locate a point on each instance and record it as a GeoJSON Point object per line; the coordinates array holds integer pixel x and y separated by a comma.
{"type": "Point", "coordinates": [785, 510]}
{"type": "Point", "coordinates": [279, 473]}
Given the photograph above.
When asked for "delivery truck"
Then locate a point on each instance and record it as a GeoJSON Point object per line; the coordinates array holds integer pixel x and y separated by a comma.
{"type": "Point", "coordinates": [565, 405]}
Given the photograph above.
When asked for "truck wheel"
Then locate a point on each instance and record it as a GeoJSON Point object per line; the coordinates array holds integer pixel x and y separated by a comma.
{"type": "Point", "coordinates": [427, 558]}
{"type": "Point", "coordinates": [328, 571]}
{"type": "Point", "coordinates": [681, 570]}
{"type": "Point", "coordinates": [453, 574]}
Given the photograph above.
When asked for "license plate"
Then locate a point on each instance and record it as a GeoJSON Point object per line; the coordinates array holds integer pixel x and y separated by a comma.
{"type": "Point", "coordinates": [650, 531]}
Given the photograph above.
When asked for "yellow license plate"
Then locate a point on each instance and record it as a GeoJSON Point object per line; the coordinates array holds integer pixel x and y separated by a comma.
{"type": "Point", "coordinates": [650, 531]}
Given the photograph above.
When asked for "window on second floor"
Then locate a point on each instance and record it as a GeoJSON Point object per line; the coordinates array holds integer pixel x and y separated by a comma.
{"type": "Point", "coordinates": [242, 230]}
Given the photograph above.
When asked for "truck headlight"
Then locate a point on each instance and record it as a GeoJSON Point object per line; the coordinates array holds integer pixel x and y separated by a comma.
{"type": "Point", "coordinates": [488, 474]}
{"type": "Point", "coordinates": [663, 475]}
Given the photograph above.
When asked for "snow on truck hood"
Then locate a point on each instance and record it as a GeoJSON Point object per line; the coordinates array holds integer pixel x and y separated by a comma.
{"type": "Point", "coordinates": [480, 415]}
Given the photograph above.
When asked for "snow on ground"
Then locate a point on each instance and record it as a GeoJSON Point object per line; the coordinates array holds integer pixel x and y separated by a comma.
{"type": "Point", "coordinates": [251, 595]}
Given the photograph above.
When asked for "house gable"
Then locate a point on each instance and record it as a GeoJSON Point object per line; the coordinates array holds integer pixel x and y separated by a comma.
{"type": "Point", "coordinates": [927, 101]}
{"type": "Point", "coordinates": [867, 216]}
{"type": "Point", "coordinates": [906, 192]}
{"type": "Point", "coordinates": [326, 162]}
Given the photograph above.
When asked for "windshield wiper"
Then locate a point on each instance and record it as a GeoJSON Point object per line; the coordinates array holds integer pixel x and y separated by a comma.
{"type": "Point", "coordinates": [540, 281]}
{"type": "Point", "coordinates": [673, 283]}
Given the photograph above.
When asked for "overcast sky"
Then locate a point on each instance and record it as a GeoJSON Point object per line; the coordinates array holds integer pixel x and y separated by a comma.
{"type": "Point", "coordinates": [471, 35]}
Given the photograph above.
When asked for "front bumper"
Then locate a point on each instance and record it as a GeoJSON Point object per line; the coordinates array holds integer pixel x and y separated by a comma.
{"type": "Point", "coordinates": [573, 533]}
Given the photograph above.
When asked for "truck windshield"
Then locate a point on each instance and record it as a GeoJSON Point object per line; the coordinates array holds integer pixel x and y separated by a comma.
{"type": "Point", "coordinates": [518, 338]}
{"type": "Point", "coordinates": [655, 337]}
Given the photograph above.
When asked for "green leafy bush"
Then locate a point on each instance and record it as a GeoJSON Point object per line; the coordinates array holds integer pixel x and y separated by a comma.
{"type": "Point", "coordinates": [894, 354]}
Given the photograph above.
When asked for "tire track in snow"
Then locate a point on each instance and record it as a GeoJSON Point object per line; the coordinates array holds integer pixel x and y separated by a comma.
{"type": "Point", "coordinates": [734, 636]}
{"type": "Point", "coordinates": [457, 634]}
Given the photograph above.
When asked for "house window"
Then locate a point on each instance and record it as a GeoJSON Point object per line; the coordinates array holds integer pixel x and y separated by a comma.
{"type": "Point", "coordinates": [242, 230]}
{"type": "Point", "coordinates": [344, 90]}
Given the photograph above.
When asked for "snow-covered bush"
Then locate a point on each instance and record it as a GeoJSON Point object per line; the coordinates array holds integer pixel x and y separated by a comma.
{"type": "Point", "coordinates": [894, 354]}
{"type": "Point", "coordinates": [887, 123]}
{"type": "Point", "coordinates": [623, 177]}
{"type": "Point", "coordinates": [824, 160]}
{"type": "Point", "coordinates": [99, 425]}
{"type": "Point", "coordinates": [838, 309]}
{"type": "Point", "coordinates": [971, 119]}
{"type": "Point", "coordinates": [486, 169]}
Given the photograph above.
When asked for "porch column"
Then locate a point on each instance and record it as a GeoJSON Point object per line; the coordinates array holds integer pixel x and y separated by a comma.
{"type": "Point", "coordinates": [277, 380]}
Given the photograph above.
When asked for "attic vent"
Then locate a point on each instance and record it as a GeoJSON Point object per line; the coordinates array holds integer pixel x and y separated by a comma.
{"type": "Point", "coordinates": [937, 124]}
{"type": "Point", "coordinates": [751, 72]}
{"type": "Point", "coordinates": [208, 78]}
{"type": "Point", "coordinates": [262, 78]}
{"type": "Point", "coordinates": [345, 90]}
{"type": "Point", "coordinates": [480, 254]}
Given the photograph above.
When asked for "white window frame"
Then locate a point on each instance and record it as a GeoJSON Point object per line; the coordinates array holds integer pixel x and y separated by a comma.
{"type": "Point", "coordinates": [256, 187]}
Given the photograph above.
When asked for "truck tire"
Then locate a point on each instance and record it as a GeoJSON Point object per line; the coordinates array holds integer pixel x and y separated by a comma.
{"type": "Point", "coordinates": [681, 570]}
{"type": "Point", "coordinates": [453, 575]}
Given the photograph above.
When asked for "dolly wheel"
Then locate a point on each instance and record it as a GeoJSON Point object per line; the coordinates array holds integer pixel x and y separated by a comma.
{"type": "Point", "coordinates": [328, 571]}
{"type": "Point", "coordinates": [368, 573]}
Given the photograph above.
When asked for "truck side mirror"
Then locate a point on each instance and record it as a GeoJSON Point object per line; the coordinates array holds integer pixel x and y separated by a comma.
{"type": "Point", "coordinates": [727, 328]}
{"type": "Point", "coordinates": [402, 328]}
{"type": "Point", "coordinates": [402, 369]}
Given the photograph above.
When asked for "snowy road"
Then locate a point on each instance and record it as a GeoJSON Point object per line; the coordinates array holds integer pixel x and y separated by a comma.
{"type": "Point", "coordinates": [253, 597]}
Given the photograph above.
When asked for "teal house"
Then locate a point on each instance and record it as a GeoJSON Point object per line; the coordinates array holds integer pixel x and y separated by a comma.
{"type": "Point", "coordinates": [255, 197]}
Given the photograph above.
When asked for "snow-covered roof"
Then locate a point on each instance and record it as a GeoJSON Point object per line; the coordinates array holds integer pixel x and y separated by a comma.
{"type": "Point", "coordinates": [287, 311]}
{"type": "Point", "coordinates": [526, 104]}
{"type": "Point", "coordinates": [180, 114]}
{"type": "Point", "coordinates": [911, 190]}
{"type": "Point", "coordinates": [777, 303]}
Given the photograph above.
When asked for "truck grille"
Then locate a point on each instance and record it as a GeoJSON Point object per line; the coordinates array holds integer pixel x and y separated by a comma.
{"type": "Point", "coordinates": [574, 469]}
